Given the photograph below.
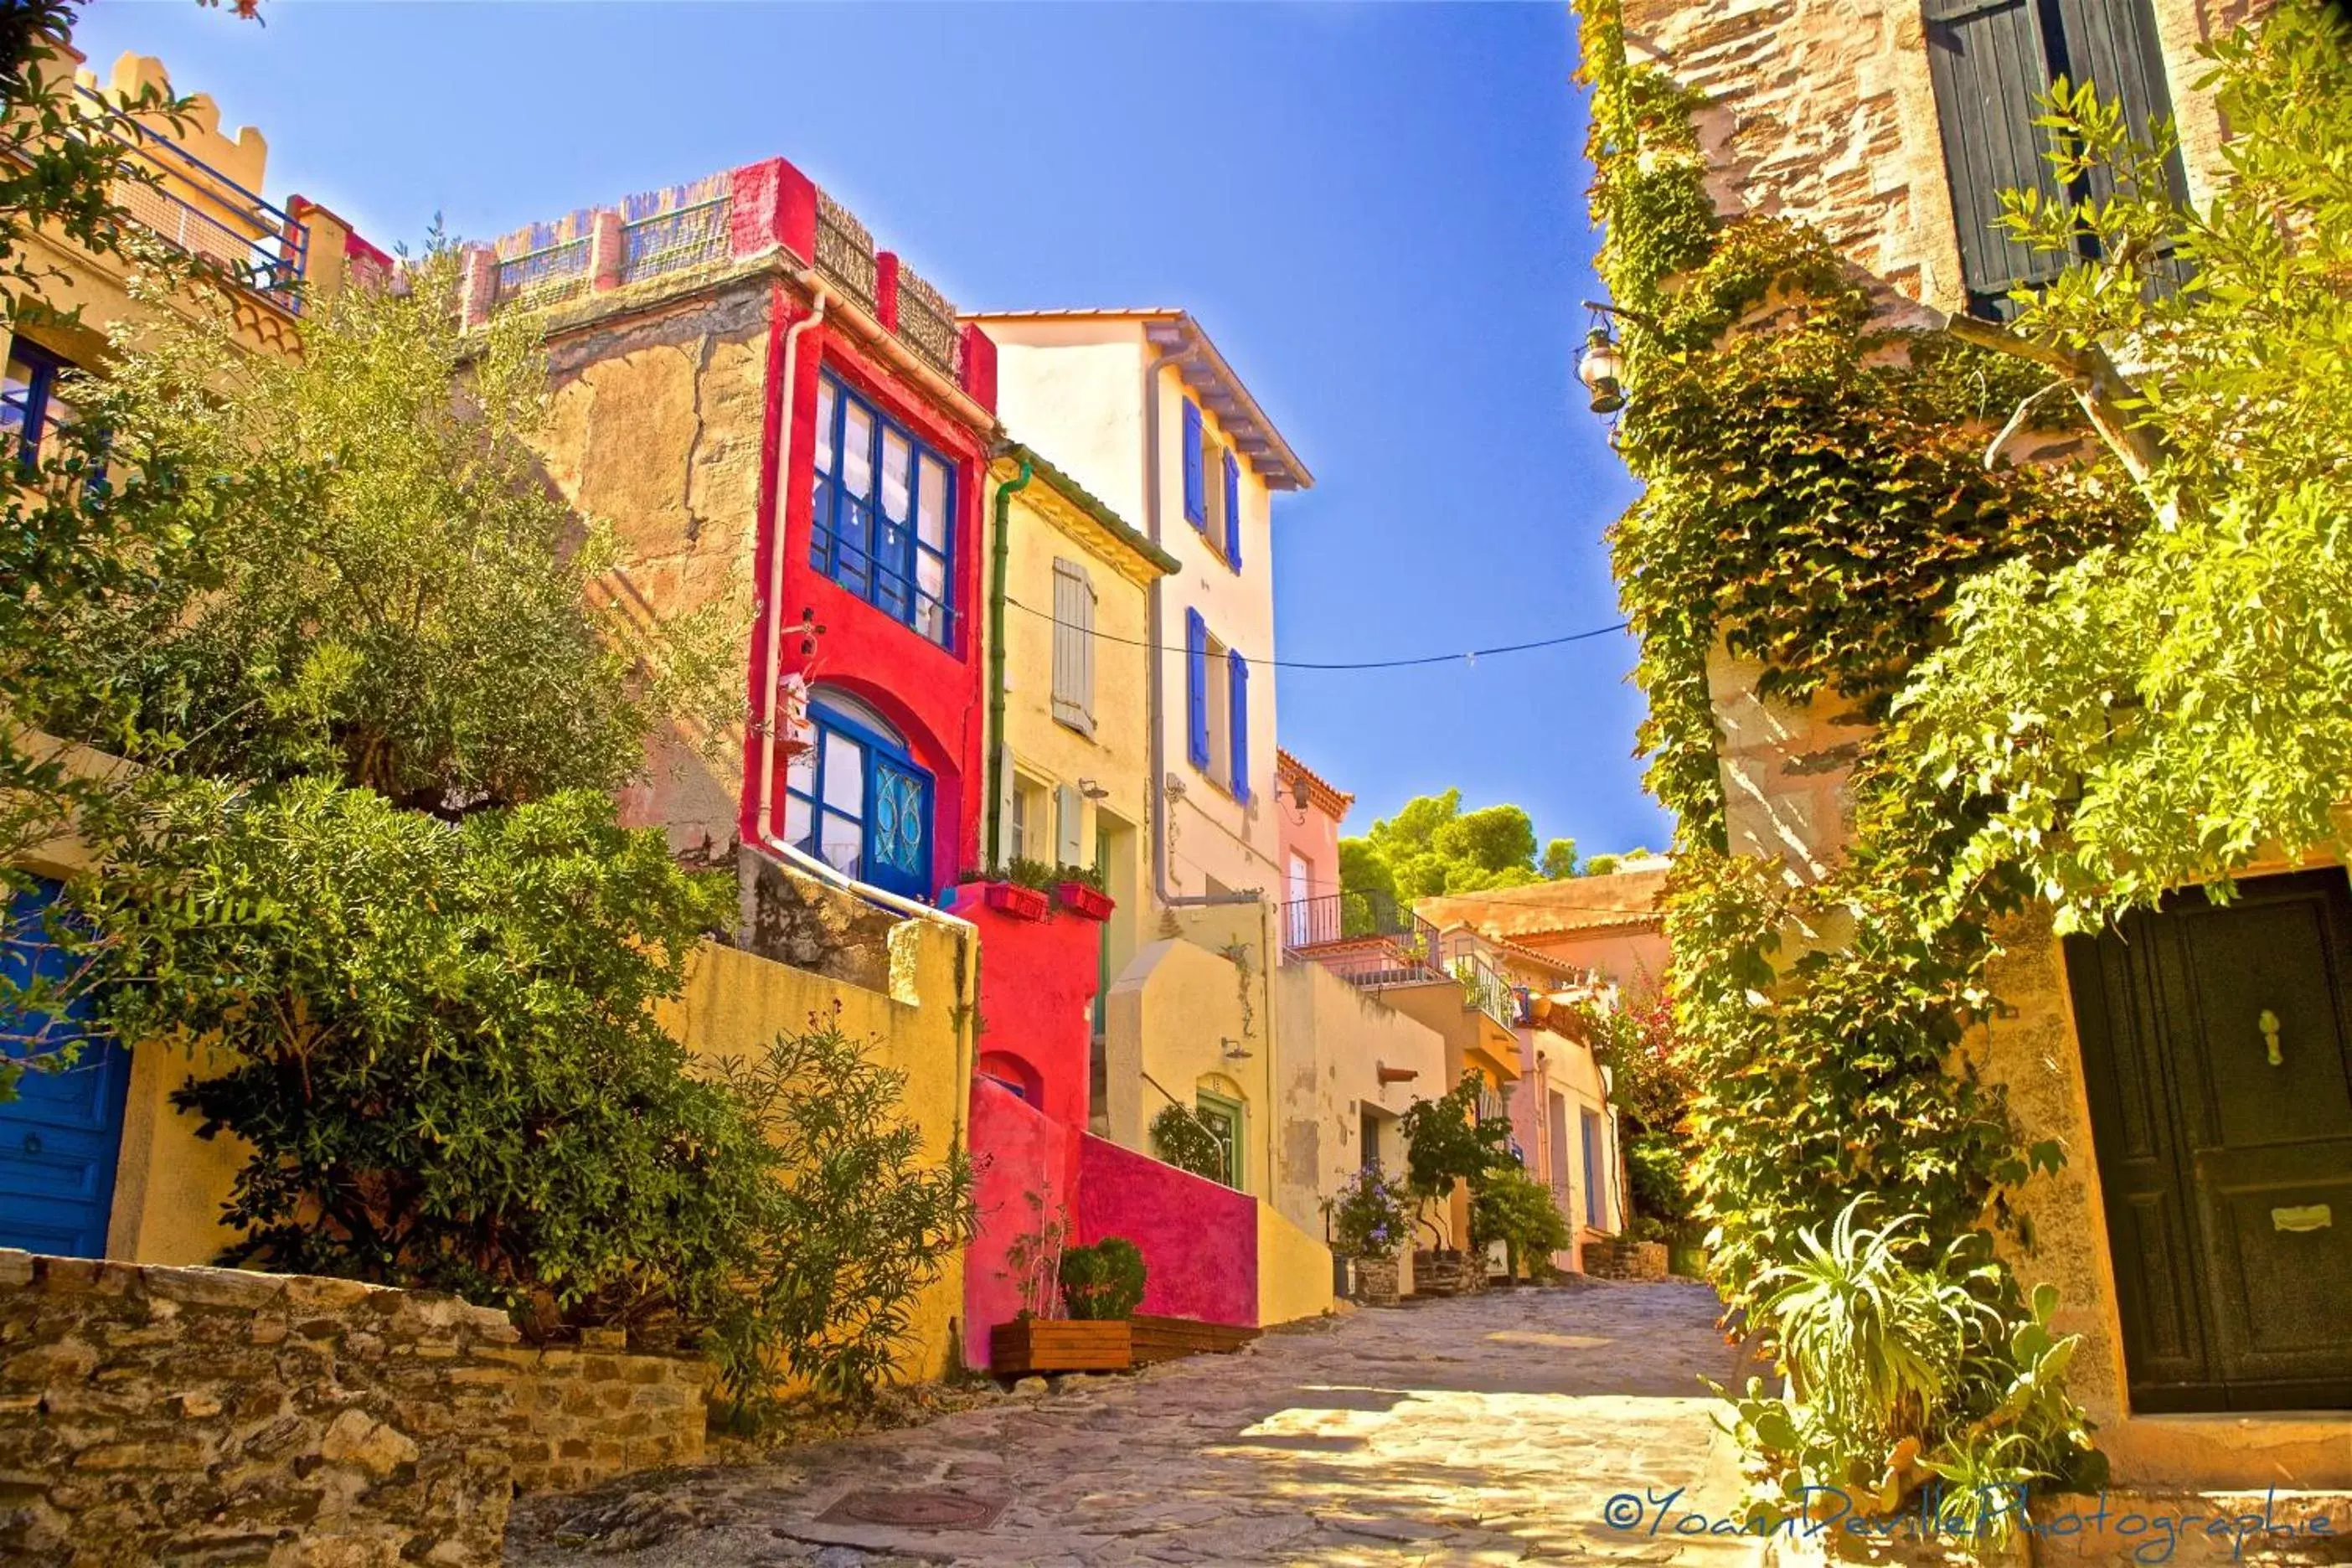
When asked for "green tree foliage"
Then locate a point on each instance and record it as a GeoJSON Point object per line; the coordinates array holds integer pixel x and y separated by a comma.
{"type": "Point", "coordinates": [1433, 847]}
{"type": "Point", "coordinates": [1179, 1139]}
{"type": "Point", "coordinates": [1103, 1282]}
{"type": "Point", "coordinates": [849, 1224]}
{"type": "Point", "coordinates": [2158, 712]}
{"type": "Point", "coordinates": [397, 595]}
{"type": "Point", "coordinates": [440, 1042]}
{"type": "Point", "coordinates": [1447, 1141]}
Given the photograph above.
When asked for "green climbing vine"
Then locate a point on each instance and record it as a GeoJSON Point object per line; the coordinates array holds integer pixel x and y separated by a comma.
{"type": "Point", "coordinates": [1815, 496]}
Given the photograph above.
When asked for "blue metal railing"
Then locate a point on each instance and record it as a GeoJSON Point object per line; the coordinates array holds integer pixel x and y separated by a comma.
{"type": "Point", "coordinates": [201, 211]}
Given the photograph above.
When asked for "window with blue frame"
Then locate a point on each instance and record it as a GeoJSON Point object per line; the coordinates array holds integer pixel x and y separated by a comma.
{"type": "Point", "coordinates": [883, 524]}
{"type": "Point", "coordinates": [30, 404]}
{"type": "Point", "coordinates": [854, 798]}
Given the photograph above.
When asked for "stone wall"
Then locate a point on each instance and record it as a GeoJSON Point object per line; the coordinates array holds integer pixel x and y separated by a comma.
{"type": "Point", "coordinates": [581, 1415]}
{"type": "Point", "coordinates": [1448, 1273]}
{"type": "Point", "coordinates": [1825, 114]}
{"type": "Point", "coordinates": [1613, 1258]}
{"type": "Point", "coordinates": [155, 1415]}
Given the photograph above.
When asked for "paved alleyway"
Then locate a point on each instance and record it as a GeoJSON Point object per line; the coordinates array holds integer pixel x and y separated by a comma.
{"type": "Point", "coordinates": [1491, 1429]}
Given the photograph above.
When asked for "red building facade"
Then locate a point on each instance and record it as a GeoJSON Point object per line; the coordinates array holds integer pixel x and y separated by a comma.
{"type": "Point", "coordinates": [869, 560]}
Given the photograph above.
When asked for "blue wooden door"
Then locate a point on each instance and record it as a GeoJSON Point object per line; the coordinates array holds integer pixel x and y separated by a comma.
{"type": "Point", "coordinates": [60, 1135]}
{"type": "Point", "coordinates": [897, 827]}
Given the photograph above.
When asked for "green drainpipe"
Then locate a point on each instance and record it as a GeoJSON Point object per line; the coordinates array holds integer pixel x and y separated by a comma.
{"type": "Point", "coordinates": [1003, 555]}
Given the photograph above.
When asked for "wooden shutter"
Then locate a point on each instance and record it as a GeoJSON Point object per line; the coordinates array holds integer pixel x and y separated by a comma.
{"type": "Point", "coordinates": [1233, 512]}
{"type": "Point", "coordinates": [2112, 45]}
{"type": "Point", "coordinates": [1239, 666]}
{"type": "Point", "coordinates": [1196, 687]}
{"type": "Point", "coordinates": [1196, 491]}
{"type": "Point", "coordinates": [1990, 64]}
{"type": "Point", "coordinates": [1069, 809]}
{"type": "Point", "coordinates": [1074, 647]}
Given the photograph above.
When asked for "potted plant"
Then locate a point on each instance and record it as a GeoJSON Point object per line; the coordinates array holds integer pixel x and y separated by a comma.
{"type": "Point", "coordinates": [1090, 1282]}
{"type": "Point", "coordinates": [1016, 888]}
{"type": "Point", "coordinates": [1080, 891]}
{"type": "Point", "coordinates": [1369, 1224]}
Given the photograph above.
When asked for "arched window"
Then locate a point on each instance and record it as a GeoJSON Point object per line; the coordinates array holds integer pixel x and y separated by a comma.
{"type": "Point", "coordinates": [1013, 1073]}
{"type": "Point", "coordinates": [854, 798]}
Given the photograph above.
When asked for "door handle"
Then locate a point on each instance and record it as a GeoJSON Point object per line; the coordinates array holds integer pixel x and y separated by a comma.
{"type": "Point", "coordinates": [2268, 1023]}
{"type": "Point", "coordinates": [2310, 1217]}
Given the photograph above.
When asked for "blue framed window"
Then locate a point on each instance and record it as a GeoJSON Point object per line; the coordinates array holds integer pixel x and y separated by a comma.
{"type": "Point", "coordinates": [857, 800]}
{"type": "Point", "coordinates": [30, 406]}
{"type": "Point", "coordinates": [883, 525]}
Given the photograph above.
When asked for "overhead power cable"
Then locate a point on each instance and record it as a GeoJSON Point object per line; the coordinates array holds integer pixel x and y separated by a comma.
{"type": "Point", "coordinates": [1469, 656]}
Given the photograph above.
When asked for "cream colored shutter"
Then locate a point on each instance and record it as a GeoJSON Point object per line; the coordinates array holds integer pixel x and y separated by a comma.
{"type": "Point", "coordinates": [1074, 647]}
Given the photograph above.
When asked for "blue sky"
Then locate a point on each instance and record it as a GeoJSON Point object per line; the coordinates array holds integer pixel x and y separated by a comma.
{"type": "Point", "coordinates": [1377, 211]}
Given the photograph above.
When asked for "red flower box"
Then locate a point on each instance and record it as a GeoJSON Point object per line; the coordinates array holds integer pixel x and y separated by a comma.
{"type": "Point", "coordinates": [1012, 899]}
{"type": "Point", "coordinates": [1081, 899]}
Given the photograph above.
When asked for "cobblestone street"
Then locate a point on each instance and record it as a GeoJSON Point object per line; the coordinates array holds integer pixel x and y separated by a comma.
{"type": "Point", "coordinates": [1485, 1429]}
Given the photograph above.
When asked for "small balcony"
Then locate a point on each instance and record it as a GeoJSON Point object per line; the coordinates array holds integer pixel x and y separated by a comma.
{"type": "Point", "coordinates": [1369, 940]}
{"type": "Point", "coordinates": [202, 211]}
{"type": "Point", "coordinates": [1484, 986]}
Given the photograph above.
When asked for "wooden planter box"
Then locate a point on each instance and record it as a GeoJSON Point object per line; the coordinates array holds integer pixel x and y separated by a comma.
{"type": "Point", "coordinates": [1060, 1344]}
{"type": "Point", "coordinates": [1165, 1338]}
{"type": "Point", "coordinates": [1011, 898]}
{"type": "Point", "coordinates": [1081, 899]}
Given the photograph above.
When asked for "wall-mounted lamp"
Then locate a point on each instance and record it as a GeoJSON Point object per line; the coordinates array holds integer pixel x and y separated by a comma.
{"type": "Point", "coordinates": [1602, 371]}
{"type": "Point", "coordinates": [1092, 790]}
{"type": "Point", "coordinates": [1236, 1051]}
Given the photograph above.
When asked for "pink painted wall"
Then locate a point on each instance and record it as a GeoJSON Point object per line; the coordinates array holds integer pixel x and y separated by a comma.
{"type": "Point", "coordinates": [1199, 1239]}
{"type": "Point", "coordinates": [1317, 838]}
{"type": "Point", "coordinates": [1016, 1151]}
{"type": "Point", "coordinates": [1037, 981]}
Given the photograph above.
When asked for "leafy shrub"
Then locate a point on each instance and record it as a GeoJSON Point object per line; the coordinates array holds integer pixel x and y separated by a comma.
{"type": "Point", "coordinates": [1510, 1207]}
{"type": "Point", "coordinates": [1180, 1140]}
{"type": "Point", "coordinates": [1368, 1217]}
{"type": "Point", "coordinates": [1658, 1169]}
{"type": "Point", "coordinates": [441, 1043]}
{"type": "Point", "coordinates": [1104, 1281]}
{"type": "Point", "coordinates": [852, 1223]}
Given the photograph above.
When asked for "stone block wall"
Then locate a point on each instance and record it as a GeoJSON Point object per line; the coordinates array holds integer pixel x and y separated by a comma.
{"type": "Point", "coordinates": [152, 1414]}
{"type": "Point", "coordinates": [1613, 1258]}
{"type": "Point", "coordinates": [583, 1415]}
{"type": "Point", "coordinates": [1448, 1273]}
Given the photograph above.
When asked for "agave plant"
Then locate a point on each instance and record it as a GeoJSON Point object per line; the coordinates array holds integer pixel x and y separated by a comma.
{"type": "Point", "coordinates": [1874, 1335]}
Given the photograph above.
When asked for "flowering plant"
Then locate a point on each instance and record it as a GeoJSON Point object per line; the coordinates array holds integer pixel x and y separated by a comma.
{"type": "Point", "coordinates": [1368, 1216]}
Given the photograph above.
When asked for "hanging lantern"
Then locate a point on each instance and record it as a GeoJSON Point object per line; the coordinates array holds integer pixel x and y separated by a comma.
{"type": "Point", "coordinates": [1601, 370]}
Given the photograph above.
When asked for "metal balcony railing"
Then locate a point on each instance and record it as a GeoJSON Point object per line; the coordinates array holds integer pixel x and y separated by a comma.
{"type": "Point", "coordinates": [1367, 939]}
{"type": "Point", "coordinates": [201, 211]}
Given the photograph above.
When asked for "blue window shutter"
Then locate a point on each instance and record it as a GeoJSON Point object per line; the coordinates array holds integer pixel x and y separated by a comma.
{"type": "Point", "coordinates": [1240, 667]}
{"type": "Point", "coordinates": [1233, 512]}
{"type": "Point", "coordinates": [1196, 686]}
{"type": "Point", "coordinates": [1196, 492]}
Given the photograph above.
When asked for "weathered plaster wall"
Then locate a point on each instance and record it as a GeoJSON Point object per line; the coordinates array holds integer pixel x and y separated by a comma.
{"type": "Point", "coordinates": [1200, 1240]}
{"type": "Point", "coordinates": [736, 1002]}
{"type": "Point", "coordinates": [170, 1185]}
{"type": "Point", "coordinates": [1312, 835]}
{"type": "Point", "coordinates": [655, 431]}
{"type": "Point", "coordinates": [1074, 389]}
{"type": "Point", "coordinates": [155, 1415]}
{"type": "Point", "coordinates": [1334, 1041]}
{"type": "Point", "coordinates": [1293, 1271]}
{"type": "Point", "coordinates": [1181, 1005]}
{"type": "Point", "coordinates": [1565, 1070]}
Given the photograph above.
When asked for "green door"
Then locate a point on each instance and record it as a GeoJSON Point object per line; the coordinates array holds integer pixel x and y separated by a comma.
{"type": "Point", "coordinates": [2215, 1045]}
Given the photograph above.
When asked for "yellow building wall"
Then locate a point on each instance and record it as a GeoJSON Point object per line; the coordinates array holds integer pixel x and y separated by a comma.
{"type": "Point", "coordinates": [1167, 1021]}
{"type": "Point", "coordinates": [1333, 1041]}
{"type": "Point", "coordinates": [1115, 757]}
{"type": "Point", "coordinates": [1294, 1270]}
{"type": "Point", "coordinates": [735, 1003]}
